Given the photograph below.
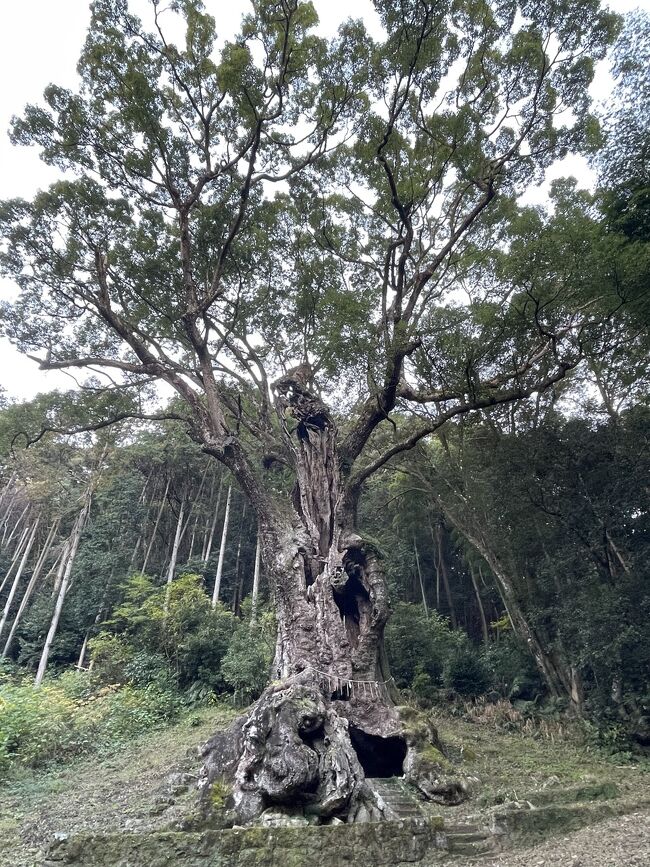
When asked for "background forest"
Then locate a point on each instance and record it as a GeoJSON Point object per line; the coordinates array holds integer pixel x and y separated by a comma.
{"type": "Point", "coordinates": [516, 549]}
{"type": "Point", "coordinates": [515, 540]}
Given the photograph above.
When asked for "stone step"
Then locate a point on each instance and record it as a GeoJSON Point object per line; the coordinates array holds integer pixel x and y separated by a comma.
{"type": "Point", "coordinates": [469, 837]}
{"type": "Point", "coordinates": [463, 829]}
{"type": "Point", "coordinates": [397, 801]}
{"type": "Point", "coordinates": [484, 848]}
{"type": "Point", "coordinates": [400, 801]}
{"type": "Point", "coordinates": [466, 842]}
{"type": "Point", "coordinates": [554, 796]}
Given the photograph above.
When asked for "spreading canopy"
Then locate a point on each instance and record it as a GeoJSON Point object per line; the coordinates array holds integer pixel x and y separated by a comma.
{"type": "Point", "coordinates": [229, 210]}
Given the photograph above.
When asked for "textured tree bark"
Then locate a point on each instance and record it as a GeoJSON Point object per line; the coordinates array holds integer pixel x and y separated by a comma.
{"type": "Point", "coordinates": [327, 721]}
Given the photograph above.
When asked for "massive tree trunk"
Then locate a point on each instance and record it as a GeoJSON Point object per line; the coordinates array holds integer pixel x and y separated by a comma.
{"type": "Point", "coordinates": [328, 720]}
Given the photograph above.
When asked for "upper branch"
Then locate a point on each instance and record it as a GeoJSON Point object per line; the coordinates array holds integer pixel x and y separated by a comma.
{"type": "Point", "coordinates": [462, 407]}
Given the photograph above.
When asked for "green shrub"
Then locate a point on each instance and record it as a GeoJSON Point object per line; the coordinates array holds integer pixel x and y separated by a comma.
{"type": "Point", "coordinates": [146, 637]}
{"type": "Point", "coordinates": [513, 673]}
{"type": "Point", "coordinates": [75, 714]}
{"type": "Point", "coordinates": [245, 667]}
{"type": "Point", "coordinates": [111, 655]}
{"type": "Point", "coordinates": [417, 644]}
{"type": "Point", "coordinates": [130, 711]}
{"type": "Point", "coordinates": [146, 669]}
{"type": "Point", "coordinates": [35, 724]}
{"type": "Point", "coordinates": [465, 671]}
{"type": "Point", "coordinates": [423, 689]}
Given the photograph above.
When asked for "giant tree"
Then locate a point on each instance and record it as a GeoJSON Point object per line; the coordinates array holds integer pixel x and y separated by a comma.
{"type": "Point", "coordinates": [285, 230]}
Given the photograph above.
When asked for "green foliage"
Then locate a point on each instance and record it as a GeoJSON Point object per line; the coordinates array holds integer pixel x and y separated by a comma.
{"type": "Point", "coordinates": [417, 646]}
{"type": "Point", "coordinates": [245, 666]}
{"type": "Point", "coordinates": [214, 122]}
{"type": "Point", "coordinates": [512, 671]}
{"type": "Point", "coordinates": [184, 644]}
{"type": "Point", "coordinates": [423, 688]}
{"type": "Point", "coordinates": [465, 672]}
{"type": "Point", "coordinates": [111, 654]}
{"type": "Point", "coordinates": [425, 653]}
{"type": "Point", "coordinates": [159, 635]}
{"type": "Point", "coordinates": [164, 233]}
{"type": "Point", "coordinates": [75, 714]}
{"type": "Point", "coordinates": [35, 725]}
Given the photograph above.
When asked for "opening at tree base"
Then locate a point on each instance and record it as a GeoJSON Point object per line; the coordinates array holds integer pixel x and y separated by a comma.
{"type": "Point", "coordinates": [299, 754]}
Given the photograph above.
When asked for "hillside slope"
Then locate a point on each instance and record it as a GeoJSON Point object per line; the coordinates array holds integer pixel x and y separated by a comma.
{"type": "Point", "coordinates": [148, 786]}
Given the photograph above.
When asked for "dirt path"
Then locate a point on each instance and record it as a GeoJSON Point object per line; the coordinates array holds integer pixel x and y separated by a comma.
{"type": "Point", "coordinates": [623, 841]}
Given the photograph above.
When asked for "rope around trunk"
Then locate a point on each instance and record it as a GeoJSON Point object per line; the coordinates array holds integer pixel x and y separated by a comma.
{"type": "Point", "coordinates": [335, 683]}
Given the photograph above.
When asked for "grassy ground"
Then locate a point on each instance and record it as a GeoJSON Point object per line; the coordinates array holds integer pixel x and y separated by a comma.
{"type": "Point", "coordinates": [513, 766]}
{"type": "Point", "coordinates": [128, 790]}
{"type": "Point", "coordinates": [132, 789]}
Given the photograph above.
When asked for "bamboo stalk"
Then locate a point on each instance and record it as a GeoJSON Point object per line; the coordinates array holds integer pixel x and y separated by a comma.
{"type": "Point", "coordinates": [479, 601]}
{"type": "Point", "coordinates": [142, 499]}
{"type": "Point", "coordinates": [63, 587]}
{"type": "Point", "coordinates": [193, 538]}
{"type": "Point", "coordinates": [155, 527]}
{"type": "Point", "coordinates": [174, 557]}
{"type": "Point", "coordinates": [210, 540]}
{"type": "Point", "coordinates": [73, 547]}
{"type": "Point", "coordinates": [10, 481]}
{"type": "Point", "coordinates": [4, 520]}
{"type": "Point", "coordinates": [256, 579]}
{"type": "Point", "coordinates": [17, 524]}
{"type": "Point", "coordinates": [16, 581]}
{"type": "Point", "coordinates": [239, 575]}
{"type": "Point", "coordinates": [206, 528]}
{"type": "Point", "coordinates": [222, 550]}
{"type": "Point", "coordinates": [82, 654]}
{"type": "Point", "coordinates": [445, 576]}
{"type": "Point", "coordinates": [14, 560]}
{"type": "Point", "coordinates": [31, 585]}
{"type": "Point", "coordinates": [417, 561]}
{"type": "Point", "coordinates": [195, 500]}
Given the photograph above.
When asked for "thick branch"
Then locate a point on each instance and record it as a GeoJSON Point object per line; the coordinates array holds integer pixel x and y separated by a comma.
{"type": "Point", "coordinates": [461, 408]}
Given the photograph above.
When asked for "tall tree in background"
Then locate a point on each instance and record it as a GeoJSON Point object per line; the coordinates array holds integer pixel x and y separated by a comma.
{"type": "Point", "coordinates": [281, 226]}
{"type": "Point", "coordinates": [624, 162]}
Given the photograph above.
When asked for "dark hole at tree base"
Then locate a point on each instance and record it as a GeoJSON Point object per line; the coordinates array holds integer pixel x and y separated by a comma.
{"type": "Point", "coordinates": [379, 757]}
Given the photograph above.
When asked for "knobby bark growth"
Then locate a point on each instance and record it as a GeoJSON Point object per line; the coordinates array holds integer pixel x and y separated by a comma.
{"type": "Point", "coordinates": [328, 720]}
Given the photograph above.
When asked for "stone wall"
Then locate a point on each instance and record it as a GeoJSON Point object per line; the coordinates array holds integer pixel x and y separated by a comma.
{"type": "Point", "coordinates": [386, 844]}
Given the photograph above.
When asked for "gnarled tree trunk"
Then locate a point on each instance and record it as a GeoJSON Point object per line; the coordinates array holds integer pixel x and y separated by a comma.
{"type": "Point", "coordinates": [328, 720]}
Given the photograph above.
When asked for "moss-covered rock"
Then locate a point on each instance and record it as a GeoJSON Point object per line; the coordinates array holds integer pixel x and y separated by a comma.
{"type": "Point", "coordinates": [427, 767]}
{"type": "Point", "coordinates": [386, 844]}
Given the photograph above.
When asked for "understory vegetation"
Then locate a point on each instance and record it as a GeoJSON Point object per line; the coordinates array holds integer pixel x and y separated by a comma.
{"type": "Point", "coordinates": [131, 648]}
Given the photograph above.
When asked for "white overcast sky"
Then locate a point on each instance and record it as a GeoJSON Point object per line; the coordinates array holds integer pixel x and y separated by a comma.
{"type": "Point", "coordinates": [40, 42]}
